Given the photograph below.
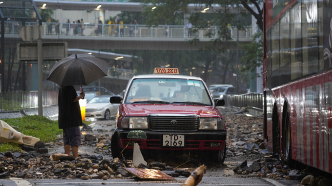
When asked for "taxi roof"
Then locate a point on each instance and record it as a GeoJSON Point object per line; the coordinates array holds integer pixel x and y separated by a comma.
{"type": "Point", "coordinates": [165, 76]}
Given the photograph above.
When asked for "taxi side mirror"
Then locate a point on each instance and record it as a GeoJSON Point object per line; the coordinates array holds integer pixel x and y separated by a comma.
{"type": "Point", "coordinates": [116, 100]}
{"type": "Point", "coordinates": [219, 102]}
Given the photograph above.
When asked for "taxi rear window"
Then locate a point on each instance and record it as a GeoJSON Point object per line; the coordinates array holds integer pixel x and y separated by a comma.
{"type": "Point", "coordinates": [168, 90]}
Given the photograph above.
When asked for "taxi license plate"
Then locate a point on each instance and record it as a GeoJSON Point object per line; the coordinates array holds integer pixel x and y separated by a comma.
{"type": "Point", "coordinates": [173, 140]}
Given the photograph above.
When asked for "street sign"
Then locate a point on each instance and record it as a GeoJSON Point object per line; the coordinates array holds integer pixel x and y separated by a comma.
{"type": "Point", "coordinates": [31, 33]}
{"type": "Point", "coordinates": [51, 51]}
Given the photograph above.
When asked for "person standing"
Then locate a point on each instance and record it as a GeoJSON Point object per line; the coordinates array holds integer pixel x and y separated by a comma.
{"type": "Point", "coordinates": [121, 28]}
{"type": "Point", "coordinates": [110, 22]}
{"type": "Point", "coordinates": [131, 29]}
{"type": "Point", "coordinates": [78, 27]}
{"type": "Point", "coordinates": [49, 26]}
{"type": "Point", "coordinates": [209, 29]}
{"type": "Point", "coordinates": [82, 27]}
{"type": "Point", "coordinates": [189, 26]}
{"type": "Point", "coordinates": [67, 27]}
{"type": "Point", "coordinates": [135, 24]}
{"type": "Point", "coordinates": [74, 28]}
{"type": "Point", "coordinates": [70, 118]}
{"type": "Point", "coordinates": [166, 30]}
{"type": "Point", "coordinates": [57, 27]}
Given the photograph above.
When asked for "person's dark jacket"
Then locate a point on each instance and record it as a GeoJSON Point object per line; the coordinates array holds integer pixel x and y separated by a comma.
{"type": "Point", "coordinates": [69, 111]}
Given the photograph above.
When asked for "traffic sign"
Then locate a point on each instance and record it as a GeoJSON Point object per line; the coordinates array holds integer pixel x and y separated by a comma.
{"type": "Point", "coordinates": [31, 33]}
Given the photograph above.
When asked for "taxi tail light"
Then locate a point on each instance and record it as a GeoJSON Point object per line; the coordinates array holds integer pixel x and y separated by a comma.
{"type": "Point", "coordinates": [220, 124]}
{"type": "Point", "coordinates": [125, 122]}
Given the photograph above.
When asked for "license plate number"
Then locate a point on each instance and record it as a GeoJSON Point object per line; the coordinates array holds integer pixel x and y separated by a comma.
{"type": "Point", "coordinates": [173, 140]}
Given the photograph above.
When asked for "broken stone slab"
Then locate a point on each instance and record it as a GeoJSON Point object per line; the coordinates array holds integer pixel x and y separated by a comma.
{"type": "Point", "coordinates": [255, 167]}
{"type": "Point", "coordinates": [240, 166]}
{"type": "Point", "coordinates": [252, 146]}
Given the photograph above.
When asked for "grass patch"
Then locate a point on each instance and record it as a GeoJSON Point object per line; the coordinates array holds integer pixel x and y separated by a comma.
{"type": "Point", "coordinates": [36, 126]}
{"type": "Point", "coordinates": [4, 147]}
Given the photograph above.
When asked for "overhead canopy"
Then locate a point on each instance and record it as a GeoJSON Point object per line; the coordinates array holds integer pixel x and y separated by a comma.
{"type": "Point", "coordinates": [19, 9]}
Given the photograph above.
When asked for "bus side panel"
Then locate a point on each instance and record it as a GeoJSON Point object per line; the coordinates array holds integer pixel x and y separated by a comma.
{"type": "Point", "coordinates": [294, 99]}
{"type": "Point", "coordinates": [328, 118]}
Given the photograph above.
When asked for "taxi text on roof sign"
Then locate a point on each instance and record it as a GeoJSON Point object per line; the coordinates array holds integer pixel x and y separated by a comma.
{"type": "Point", "coordinates": [166, 71]}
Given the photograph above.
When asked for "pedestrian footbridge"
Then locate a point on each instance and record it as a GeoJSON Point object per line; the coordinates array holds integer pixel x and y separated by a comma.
{"type": "Point", "coordinates": [128, 36]}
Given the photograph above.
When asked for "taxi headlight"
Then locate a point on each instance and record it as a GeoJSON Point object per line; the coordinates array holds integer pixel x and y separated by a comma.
{"type": "Point", "coordinates": [138, 123]}
{"type": "Point", "coordinates": [221, 96]}
{"type": "Point", "coordinates": [208, 124]}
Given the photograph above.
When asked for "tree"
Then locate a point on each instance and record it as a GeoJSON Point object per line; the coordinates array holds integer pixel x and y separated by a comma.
{"type": "Point", "coordinates": [253, 57]}
{"type": "Point", "coordinates": [45, 14]}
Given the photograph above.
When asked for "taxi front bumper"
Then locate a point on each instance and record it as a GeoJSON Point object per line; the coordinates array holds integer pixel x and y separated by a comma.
{"type": "Point", "coordinates": [200, 140]}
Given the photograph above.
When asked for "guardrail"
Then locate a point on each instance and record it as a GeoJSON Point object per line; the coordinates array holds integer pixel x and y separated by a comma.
{"type": "Point", "coordinates": [126, 30]}
{"type": "Point", "coordinates": [245, 100]}
{"type": "Point", "coordinates": [11, 101]}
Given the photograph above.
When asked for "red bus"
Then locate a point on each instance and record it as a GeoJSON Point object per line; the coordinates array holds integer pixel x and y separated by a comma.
{"type": "Point", "coordinates": [298, 80]}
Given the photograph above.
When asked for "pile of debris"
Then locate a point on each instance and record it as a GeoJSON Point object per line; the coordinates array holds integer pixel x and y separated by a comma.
{"type": "Point", "coordinates": [33, 165]}
{"type": "Point", "coordinates": [244, 136]}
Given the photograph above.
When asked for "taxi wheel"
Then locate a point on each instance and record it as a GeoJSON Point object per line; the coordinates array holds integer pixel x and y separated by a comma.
{"type": "Point", "coordinates": [115, 146]}
{"type": "Point", "coordinates": [222, 156]}
{"type": "Point", "coordinates": [107, 115]}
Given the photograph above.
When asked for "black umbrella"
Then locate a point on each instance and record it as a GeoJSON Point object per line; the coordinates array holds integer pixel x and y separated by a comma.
{"type": "Point", "coordinates": [78, 69]}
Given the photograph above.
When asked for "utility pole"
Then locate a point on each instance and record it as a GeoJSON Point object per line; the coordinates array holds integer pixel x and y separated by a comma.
{"type": "Point", "coordinates": [40, 76]}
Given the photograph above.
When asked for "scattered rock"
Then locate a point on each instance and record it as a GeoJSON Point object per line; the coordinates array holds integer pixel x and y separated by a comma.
{"type": "Point", "coordinates": [39, 144]}
{"type": "Point", "coordinates": [21, 175]}
{"type": "Point", "coordinates": [162, 166]}
{"type": "Point", "coordinates": [89, 137]}
{"type": "Point", "coordinates": [308, 180]}
{"type": "Point", "coordinates": [324, 182]}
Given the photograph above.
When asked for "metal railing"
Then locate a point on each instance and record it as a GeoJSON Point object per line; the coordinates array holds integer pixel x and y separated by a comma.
{"type": "Point", "coordinates": [244, 100]}
{"type": "Point", "coordinates": [11, 101]}
{"type": "Point", "coordinates": [126, 30]}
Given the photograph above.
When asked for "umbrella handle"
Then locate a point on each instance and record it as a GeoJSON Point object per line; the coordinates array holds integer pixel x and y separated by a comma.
{"type": "Point", "coordinates": [81, 88]}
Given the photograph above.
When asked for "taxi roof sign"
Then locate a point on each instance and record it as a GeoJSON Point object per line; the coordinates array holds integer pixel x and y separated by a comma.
{"type": "Point", "coordinates": [166, 71]}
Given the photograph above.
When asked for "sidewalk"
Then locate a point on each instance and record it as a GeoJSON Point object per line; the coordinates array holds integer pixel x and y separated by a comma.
{"type": "Point", "coordinates": [50, 112]}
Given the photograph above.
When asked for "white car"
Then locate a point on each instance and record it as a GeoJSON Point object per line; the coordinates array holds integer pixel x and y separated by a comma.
{"type": "Point", "coordinates": [100, 107]}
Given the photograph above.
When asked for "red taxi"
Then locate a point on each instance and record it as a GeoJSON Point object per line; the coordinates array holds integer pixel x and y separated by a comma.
{"type": "Point", "coordinates": [176, 113]}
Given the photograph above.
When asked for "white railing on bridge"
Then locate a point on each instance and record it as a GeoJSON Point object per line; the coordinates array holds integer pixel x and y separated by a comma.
{"type": "Point", "coordinates": [126, 30]}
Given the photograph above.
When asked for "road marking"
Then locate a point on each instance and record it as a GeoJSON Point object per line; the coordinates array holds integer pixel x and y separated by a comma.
{"type": "Point", "coordinates": [273, 182]}
{"type": "Point", "coordinates": [20, 182]}
{"type": "Point", "coordinates": [148, 183]}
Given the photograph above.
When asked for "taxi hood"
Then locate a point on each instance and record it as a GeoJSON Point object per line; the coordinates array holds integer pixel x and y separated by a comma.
{"type": "Point", "coordinates": [145, 109]}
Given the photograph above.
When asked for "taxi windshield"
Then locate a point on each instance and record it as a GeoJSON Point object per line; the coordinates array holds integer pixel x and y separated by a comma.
{"type": "Point", "coordinates": [167, 91]}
